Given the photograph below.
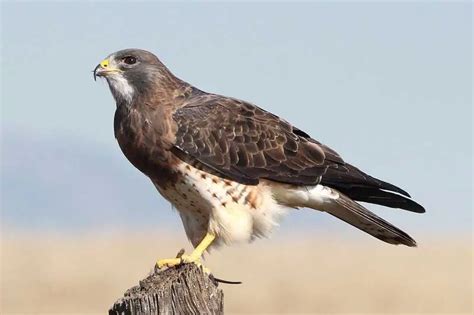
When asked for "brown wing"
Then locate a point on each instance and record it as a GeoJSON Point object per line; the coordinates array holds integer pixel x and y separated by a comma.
{"type": "Point", "coordinates": [245, 143]}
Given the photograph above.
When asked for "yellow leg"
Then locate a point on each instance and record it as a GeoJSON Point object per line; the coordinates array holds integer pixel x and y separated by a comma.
{"type": "Point", "coordinates": [200, 249]}
{"type": "Point", "coordinates": [193, 258]}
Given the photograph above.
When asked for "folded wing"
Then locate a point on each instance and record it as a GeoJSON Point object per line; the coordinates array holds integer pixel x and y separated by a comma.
{"type": "Point", "coordinates": [245, 143]}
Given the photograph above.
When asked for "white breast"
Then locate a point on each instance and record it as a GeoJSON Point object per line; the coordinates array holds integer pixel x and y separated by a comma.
{"type": "Point", "coordinates": [233, 212]}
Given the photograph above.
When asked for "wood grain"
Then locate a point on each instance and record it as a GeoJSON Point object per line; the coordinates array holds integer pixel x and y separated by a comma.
{"type": "Point", "coordinates": [185, 289]}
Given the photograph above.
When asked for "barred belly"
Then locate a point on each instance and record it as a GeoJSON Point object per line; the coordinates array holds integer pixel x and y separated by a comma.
{"type": "Point", "coordinates": [233, 212]}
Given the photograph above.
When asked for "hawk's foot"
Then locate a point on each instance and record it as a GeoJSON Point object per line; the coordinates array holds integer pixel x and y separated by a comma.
{"type": "Point", "coordinates": [195, 256]}
{"type": "Point", "coordinates": [183, 259]}
{"type": "Point", "coordinates": [169, 262]}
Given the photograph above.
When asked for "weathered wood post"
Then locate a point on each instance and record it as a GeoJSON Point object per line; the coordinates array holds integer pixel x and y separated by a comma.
{"type": "Point", "coordinates": [184, 289]}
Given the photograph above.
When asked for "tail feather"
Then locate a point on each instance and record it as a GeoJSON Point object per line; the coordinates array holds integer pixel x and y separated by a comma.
{"type": "Point", "coordinates": [356, 215]}
{"type": "Point", "coordinates": [336, 203]}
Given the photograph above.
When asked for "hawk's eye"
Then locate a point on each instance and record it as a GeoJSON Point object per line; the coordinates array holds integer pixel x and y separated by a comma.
{"type": "Point", "coordinates": [129, 60]}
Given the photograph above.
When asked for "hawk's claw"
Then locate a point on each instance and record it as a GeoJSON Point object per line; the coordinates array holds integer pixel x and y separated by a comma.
{"type": "Point", "coordinates": [183, 259]}
{"type": "Point", "coordinates": [195, 256]}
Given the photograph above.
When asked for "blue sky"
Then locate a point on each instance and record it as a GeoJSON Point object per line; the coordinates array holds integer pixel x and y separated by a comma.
{"type": "Point", "coordinates": [386, 85]}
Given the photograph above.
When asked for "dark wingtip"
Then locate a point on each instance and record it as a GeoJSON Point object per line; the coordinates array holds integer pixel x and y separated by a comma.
{"type": "Point", "coordinates": [391, 187]}
{"type": "Point", "coordinates": [382, 197]}
{"type": "Point", "coordinates": [419, 209]}
{"type": "Point", "coordinates": [412, 206]}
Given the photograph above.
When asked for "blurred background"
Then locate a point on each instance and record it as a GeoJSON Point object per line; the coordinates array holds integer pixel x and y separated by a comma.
{"type": "Point", "coordinates": [387, 85]}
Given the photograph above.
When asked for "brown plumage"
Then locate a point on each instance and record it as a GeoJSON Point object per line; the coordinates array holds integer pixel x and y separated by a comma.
{"type": "Point", "coordinates": [216, 157]}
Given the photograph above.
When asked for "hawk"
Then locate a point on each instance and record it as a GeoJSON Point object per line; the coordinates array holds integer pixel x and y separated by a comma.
{"type": "Point", "coordinates": [230, 168]}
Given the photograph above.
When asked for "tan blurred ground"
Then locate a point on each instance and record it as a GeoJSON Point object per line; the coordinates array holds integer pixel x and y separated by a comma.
{"type": "Point", "coordinates": [85, 274]}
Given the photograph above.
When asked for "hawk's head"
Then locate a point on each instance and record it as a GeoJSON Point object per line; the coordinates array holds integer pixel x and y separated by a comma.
{"type": "Point", "coordinates": [131, 72]}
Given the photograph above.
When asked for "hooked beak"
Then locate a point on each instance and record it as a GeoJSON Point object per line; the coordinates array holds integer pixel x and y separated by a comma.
{"type": "Point", "coordinates": [103, 69]}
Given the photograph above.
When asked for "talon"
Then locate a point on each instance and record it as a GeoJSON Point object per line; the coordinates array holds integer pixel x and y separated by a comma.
{"type": "Point", "coordinates": [195, 256]}
{"type": "Point", "coordinates": [180, 253]}
{"type": "Point", "coordinates": [183, 259]}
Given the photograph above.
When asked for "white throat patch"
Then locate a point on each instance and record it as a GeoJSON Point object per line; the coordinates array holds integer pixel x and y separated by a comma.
{"type": "Point", "coordinates": [120, 88]}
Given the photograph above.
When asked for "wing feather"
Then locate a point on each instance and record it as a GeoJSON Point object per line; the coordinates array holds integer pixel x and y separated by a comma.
{"type": "Point", "coordinates": [245, 143]}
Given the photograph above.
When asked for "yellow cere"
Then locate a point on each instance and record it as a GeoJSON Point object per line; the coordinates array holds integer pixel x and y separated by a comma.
{"type": "Point", "coordinates": [104, 63]}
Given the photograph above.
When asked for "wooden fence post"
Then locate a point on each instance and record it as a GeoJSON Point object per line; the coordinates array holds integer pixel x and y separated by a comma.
{"type": "Point", "coordinates": [184, 289]}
